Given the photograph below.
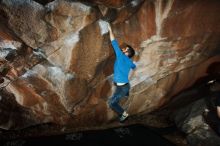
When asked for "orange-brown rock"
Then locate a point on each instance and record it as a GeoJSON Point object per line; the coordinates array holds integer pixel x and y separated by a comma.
{"type": "Point", "coordinates": [108, 3]}
{"type": "Point", "coordinates": [64, 63]}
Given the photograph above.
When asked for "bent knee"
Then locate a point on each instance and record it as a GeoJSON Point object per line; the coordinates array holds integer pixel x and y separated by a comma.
{"type": "Point", "coordinates": [112, 102]}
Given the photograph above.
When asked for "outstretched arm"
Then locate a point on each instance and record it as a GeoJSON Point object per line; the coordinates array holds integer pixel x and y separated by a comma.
{"type": "Point", "coordinates": [115, 45]}
{"type": "Point", "coordinates": [112, 37]}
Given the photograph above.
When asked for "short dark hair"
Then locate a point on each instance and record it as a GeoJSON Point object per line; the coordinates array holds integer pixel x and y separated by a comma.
{"type": "Point", "coordinates": [131, 51]}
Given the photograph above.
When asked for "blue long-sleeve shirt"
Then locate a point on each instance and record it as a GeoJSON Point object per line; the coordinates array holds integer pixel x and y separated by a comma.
{"type": "Point", "coordinates": [122, 65]}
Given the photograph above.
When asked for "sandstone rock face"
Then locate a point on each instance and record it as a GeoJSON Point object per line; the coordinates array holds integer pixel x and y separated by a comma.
{"type": "Point", "coordinates": [61, 71]}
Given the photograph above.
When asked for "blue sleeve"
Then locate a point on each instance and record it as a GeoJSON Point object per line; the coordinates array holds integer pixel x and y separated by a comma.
{"type": "Point", "coordinates": [116, 48]}
{"type": "Point", "coordinates": [133, 66]}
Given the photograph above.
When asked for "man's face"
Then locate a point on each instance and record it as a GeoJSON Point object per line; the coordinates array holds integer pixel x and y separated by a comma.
{"type": "Point", "coordinates": [125, 50]}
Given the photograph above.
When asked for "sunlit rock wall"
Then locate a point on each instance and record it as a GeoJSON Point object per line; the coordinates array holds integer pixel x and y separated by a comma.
{"type": "Point", "coordinates": [57, 59]}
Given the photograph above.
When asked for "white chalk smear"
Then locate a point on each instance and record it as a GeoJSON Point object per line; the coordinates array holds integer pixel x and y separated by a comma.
{"type": "Point", "coordinates": [103, 26]}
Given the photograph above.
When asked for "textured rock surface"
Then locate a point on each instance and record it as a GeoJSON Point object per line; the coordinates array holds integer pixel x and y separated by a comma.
{"type": "Point", "coordinates": [191, 122]}
{"type": "Point", "coordinates": [61, 71]}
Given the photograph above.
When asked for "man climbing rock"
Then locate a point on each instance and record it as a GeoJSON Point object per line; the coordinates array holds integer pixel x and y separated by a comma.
{"type": "Point", "coordinates": [122, 66]}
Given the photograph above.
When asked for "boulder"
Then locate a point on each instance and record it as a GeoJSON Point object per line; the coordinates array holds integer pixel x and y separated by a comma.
{"type": "Point", "coordinates": [62, 71]}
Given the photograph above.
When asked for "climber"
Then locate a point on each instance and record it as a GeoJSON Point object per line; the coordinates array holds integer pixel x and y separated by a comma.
{"type": "Point", "coordinates": [122, 66]}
